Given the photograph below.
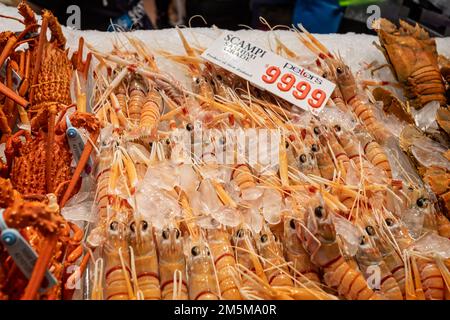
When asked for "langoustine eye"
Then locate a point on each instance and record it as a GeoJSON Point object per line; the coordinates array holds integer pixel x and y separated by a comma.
{"type": "Point", "coordinates": [370, 230]}
{"type": "Point", "coordinates": [389, 222]}
{"type": "Point", "coordinates": [421, 202]}
{"type": "Point", "coordinates": [264, 238]}
{"type": "Point", "coordinates": [318, 212]}
{"type": "Point", "coordinates": [292, 224]}
{"type": "Point", "coordinates": [302, 158]}
{"type": "Point", "coordinates": [195, 251]}
{"type": "Point", "coordinates": [113, 226]}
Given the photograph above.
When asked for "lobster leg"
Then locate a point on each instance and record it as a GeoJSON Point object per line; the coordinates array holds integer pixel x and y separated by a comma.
{"type": "Point", "coordinates": [80, 167]}
{"type": "Point", "coordinates": [4, 126]}
{"type": "Point", "coordinates": [12, 145]}
{"type": "Point", "coordinates": [9, 103]}
{"type": "Point", "coordinates": [7, 49]}
{"type": "Point", "coordinates": [25, 71]}
{"type": "Point", "coordinates": [40, 267]}
{"type": "Point", "coordinates": [77, 59]}
{"type": "Point", "coordinates": [39, 52]}
{"type": "Point", "coordinates": [49, 149]}
{"type": "Point", "coordinates": [12, 95]}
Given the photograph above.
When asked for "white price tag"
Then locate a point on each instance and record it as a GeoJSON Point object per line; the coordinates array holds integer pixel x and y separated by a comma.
{"type": "Point", "coordinates": [269, 71]}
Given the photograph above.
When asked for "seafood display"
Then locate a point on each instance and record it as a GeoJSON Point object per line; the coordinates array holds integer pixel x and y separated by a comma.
{"type": "Point", "coordinates": [125, 182]}
{"type": "Point", "coordinates": [38, 176]}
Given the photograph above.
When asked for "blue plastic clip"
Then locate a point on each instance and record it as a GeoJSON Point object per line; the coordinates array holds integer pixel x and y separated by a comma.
{"type": "Point", "coordinates": [76, 145]}
{"type": "Point", "coordinates": [22, 253]}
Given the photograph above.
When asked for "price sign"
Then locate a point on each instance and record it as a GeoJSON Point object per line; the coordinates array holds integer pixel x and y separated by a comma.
{"type": "Point", "coordinates": [269, 71]}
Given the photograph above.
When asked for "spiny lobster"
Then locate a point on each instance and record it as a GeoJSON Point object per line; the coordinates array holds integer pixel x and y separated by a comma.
{"type": "Point", "coordinates": [38, 155]}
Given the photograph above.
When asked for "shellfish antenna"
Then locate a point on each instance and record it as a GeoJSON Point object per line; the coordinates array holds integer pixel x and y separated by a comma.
{"type": "Point", "coordinates": [39, 53]}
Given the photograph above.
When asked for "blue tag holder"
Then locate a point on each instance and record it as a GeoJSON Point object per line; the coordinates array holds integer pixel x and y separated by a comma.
{"type": "Point", "coordinates": [22, 253]}
{"type": "Point", "coordinates": [76, 145]}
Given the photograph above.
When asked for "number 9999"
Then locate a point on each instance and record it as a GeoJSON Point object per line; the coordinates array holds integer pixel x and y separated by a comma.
{"type": "Point", "coordinates": [300, 91]}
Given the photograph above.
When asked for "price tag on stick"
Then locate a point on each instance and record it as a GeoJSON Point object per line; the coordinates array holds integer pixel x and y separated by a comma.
{"type": "Point", "coordinates": [270, 72]}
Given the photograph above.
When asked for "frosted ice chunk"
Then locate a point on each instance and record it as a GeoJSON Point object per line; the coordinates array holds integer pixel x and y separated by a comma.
{"type": "Point", "coordinates": [96, 237]}
{"type": "Point", "coordinates": [348, 232]}
{"type": "Point", "coordinates": [79, 207]}
{"type": "Point", "coordinates": [272, 206]}
{"type": "Point", "coordinates": [429, 153]}
{"type": "Point", "coordinates": [252, 193]}
{"type": "Point", "coordinates": [425, 118]}
{"type": "Point", "coordinates": [413, 219]}
{"type": "Point", "coordinates": [233, 191]}
{"type": "Point", "coordinates": [209, 197]}
{"type": "Point", "coordinates": [431, 242]}
{"type": "Point", "coordinates": [159, 176]}
{"type": "Point", "coordinates": [400, 163]}
{"type": "Point", "coordinates": [81, 211]}
{"type": "Point", "coordinates": [188, 179]}
{"type": "Point", "coordinates": [254, 219]}
{"type": "Point", "coordinates": [157, 206]}
{"type": "Point", "coordinates": [227, 216]}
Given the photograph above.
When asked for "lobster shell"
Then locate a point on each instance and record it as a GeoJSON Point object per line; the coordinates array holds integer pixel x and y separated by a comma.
{"type": "Point", "coordinates": [28, 170]}
{"type": "Point", "coordinates": [413, 57]}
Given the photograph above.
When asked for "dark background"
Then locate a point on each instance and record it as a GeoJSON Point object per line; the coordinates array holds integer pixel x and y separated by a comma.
{"type": "Point", "coordinates": [433, 14]}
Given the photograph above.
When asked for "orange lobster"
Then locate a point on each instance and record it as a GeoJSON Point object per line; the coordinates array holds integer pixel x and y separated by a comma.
{"type": "Point", "coordinates": [414, 61]}
{"type": "Point", "coordinates": [41, 164]}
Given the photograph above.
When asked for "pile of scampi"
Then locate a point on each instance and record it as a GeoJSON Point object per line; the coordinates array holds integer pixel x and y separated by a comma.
{"type": "Point", "coordinates": [352, 204]}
